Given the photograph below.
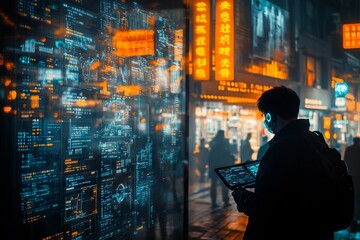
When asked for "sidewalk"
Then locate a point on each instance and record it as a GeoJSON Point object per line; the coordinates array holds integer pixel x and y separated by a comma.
{"type": "Point", "coordinates": [207, 223]}
{"type": "Point", "coordinates": [224, 223]}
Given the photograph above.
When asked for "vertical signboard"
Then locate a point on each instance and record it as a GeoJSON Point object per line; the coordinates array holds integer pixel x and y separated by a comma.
{"type": "Point", "coordinates": [224, 40]}
{"type": "Point", "coordinates": [351, 35]}
{"type": "Point", "coordinates": [201, 44]}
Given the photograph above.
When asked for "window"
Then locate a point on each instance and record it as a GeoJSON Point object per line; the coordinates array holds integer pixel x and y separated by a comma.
{"type": "Point", "coordinates": [313, 75]}
{"type": "Point", "coordinates": [313, 20]}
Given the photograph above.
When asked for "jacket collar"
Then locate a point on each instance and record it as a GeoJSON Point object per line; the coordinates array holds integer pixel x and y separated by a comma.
{"type": "Point", "coordinates": [298, 125]}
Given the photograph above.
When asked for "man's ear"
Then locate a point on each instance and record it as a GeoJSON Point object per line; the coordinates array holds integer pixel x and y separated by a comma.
{"type": "Point", "coordinates": [268, 117]}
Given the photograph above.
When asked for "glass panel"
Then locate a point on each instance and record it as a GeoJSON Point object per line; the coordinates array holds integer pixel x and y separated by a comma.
{"type": "Point", "coordinates": [93, 129]}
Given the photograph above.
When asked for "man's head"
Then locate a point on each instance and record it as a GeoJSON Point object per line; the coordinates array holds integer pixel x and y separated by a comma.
{"type": "Point", "coordinates": [356, 140]}
{"type": "Point", "coordinates": [220, 134]}
{"type": "Point", "coordinates": [280, 105]}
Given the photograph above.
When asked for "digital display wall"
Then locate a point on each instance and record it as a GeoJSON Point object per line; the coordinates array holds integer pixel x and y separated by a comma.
{"type": "Point", "coordinates": [92, 120]}
{"type": "Point", "coordinates": [270, 33]}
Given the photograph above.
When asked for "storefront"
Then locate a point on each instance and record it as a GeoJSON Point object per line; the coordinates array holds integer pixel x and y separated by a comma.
{"type": "Point", "coordinates": [314, 105]}
{"type": "Point", "coordinates": [235, 120]}
{"type": "Point", "coordinates": [232, 106]}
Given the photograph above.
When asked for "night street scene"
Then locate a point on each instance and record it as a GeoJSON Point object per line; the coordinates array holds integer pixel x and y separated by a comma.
{"type": "Point", "coordinates": [180, 119]}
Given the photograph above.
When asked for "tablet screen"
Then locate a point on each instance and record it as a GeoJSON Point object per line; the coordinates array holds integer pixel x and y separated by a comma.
{"type": "Point", "coordinates": [243, 175]}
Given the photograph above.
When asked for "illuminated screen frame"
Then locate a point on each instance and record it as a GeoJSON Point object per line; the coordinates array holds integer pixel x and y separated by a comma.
{"type": "Point", "coordinates": [270, 32]}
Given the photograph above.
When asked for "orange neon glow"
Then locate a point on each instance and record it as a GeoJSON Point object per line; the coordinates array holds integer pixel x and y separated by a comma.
{"type": "Point", "coordinates": [178, 43]}
{"type": "Point", "coordinates": [108, 69]}
{"type": "Point", "coordinates": [7, 109]}
{"type": "Point", "coordinates": [327, 134]}
{"type": "Point", "coordinates": [224, 40]}
{"type": "Point", "coordinates": [95, 65]}
{"type": "Point", "coordinates": [131, 90]}
{"type": "Point", "coordinates": [104, 86]}
{"type": "Point", "coordinates": [7, 82]}
{"type": "Point", "coordinates": [335, 80]}
{"type": "Point", "coordinates": [12, 95]}
{"type": "Point", "coordinates": [273, 69]}
{"type": "Point", "coordinates": [9, 66]}
{"type": "Point", "coordinates": [130, 43]}
{"type": "Point", "coordinates": [229, 99]}
{"type": "Point", "coordinates": [201, 43]}
{"type": "Point", "coordinates": [327, 122]}
{"type": "Point", "coordinates": [351, 35]}
{"type": "Point", "coordinates": [35, 101]}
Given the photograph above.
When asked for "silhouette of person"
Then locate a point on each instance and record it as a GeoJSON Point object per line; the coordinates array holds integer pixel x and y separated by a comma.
{"type": "Point", "coordinates": [219, 156]}
{"type": "Point", "coordinates": [352, 160]}
{"type": "Point", "coordinates": [288, 195]}
{"type": "Point", "coordinates": [263, 148]}
{"type": "Point", "coordinates": [234, 148]}
{"type": "Point", "coordinates": [246, 150]}
{"type": "Point", "coordinates": [202, 159]}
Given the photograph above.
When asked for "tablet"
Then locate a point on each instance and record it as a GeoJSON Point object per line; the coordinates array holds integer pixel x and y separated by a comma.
{"type": "Point", "coordinates": [239, 175]}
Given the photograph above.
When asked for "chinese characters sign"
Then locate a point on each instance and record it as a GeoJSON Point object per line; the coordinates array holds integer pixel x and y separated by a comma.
{"type": "Point", "coordinates": [351, 35]}
{"type": "Point", "coordinates": [201, 44]}
{"type": "Point", "coordinates": [224, 40]}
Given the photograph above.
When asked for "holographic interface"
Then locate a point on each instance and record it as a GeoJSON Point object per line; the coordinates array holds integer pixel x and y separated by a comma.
{"type": "Point", "coordinates": [95, 115]}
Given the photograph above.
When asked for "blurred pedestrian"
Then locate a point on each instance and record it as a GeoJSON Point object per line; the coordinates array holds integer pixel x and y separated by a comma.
{"type": "Point", "coordinates": [352, 160]}
{"type": "Point", "coordinates": [219, 156]}
{"type": "Point", "coordinates": [288, 201]}
{"type": "Point", "coordinates": [234, 148]}
{"type": "Point", "coordinates": [246, 150]}
{"type": "Point", "coordinates": [202, 159]}
{"type": "Point", "coordinates": [263, 148]}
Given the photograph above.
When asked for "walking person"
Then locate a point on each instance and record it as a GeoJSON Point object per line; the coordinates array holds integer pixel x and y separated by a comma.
{"type": "Point", "coordinates": [219, 156]}
{"type": "Point", "coordinates": [246, 150]}
{"type": "Point", "coordinates": [202, 159]}
{"type": "Point", "coordinates": [287, 198]}
{"type": "Point", "coordinates": [352, 160]}
{"type": "Point", "coordinates": [263, 148]}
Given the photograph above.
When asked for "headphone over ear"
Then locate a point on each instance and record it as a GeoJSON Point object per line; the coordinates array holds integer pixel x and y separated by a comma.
{"type": "Point", "coordinates": [268, 117]}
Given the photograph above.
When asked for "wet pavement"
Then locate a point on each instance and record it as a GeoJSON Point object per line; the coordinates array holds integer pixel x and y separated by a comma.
{"type": "Point", "coordinates": [224, 222]}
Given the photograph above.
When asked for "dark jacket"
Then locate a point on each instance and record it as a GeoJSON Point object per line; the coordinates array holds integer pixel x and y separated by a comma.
{"type": "Point", "coordinates": [219, 156]}
{"type": "Point", "coordinates": [352, 159]}
{"type": "Point", "coordinates": [287, 192]}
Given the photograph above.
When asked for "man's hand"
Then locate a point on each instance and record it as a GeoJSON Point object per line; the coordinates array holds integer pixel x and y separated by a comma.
{"type": "Point", "coordinates": [241, 196]}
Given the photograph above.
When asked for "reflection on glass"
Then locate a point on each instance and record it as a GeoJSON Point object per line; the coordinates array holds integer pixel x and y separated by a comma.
{"type": "Point", "coordinates": [95, 101]}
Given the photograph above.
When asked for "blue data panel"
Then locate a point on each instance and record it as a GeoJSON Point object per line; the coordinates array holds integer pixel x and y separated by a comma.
{"type": "Point", "coordinates": [94, 120]}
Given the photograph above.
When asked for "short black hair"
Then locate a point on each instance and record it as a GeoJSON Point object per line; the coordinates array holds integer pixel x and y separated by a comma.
{"type": "Point", "coordinates": [280, 100]}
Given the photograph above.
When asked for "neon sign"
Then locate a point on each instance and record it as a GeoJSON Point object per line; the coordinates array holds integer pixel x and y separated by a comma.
{"type": "Point", "coordinates": [201, 44]}
{"type": "Point", "coordinates": [224, 40]}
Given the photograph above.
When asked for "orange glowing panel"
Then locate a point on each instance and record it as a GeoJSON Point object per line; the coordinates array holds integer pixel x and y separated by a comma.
{"type": "Point", "coordinates": [201, 42]}
{"type": "Point", "coordinates": [130, 43]}
{"type": "Point", "coordinates": [129, 90]}
{"type": "Point", "coordinates": [327, 122]}
{"type": "Point", "coordinates": [224, 40]}
{"type": "Point", "coordinates": [351, 35]}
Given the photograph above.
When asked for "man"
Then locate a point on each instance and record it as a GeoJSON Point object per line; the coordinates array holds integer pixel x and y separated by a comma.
{"type": "Point", "coordinates": [287, 196]}
{"type": "Point", "coordinates": [202, 158]}
{"type": "Point", "coordinates": [352, 159]}
{"type": "Point", "coordinates": [246, 150]}
{"type": "Point", "coordinates": [219, 156]}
